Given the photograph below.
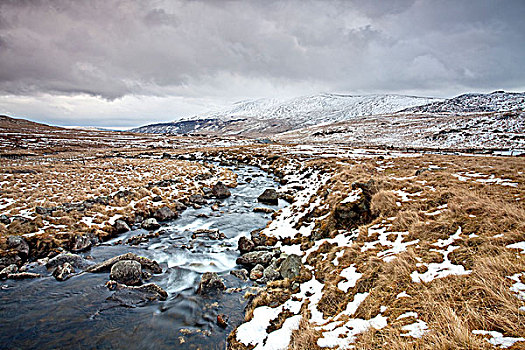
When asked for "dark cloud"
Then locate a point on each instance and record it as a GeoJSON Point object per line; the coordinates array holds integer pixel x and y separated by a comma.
{"type": "Point", "coordinates": [215, 49]}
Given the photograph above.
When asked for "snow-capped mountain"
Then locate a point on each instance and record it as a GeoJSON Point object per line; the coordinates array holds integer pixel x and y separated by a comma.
{"type": "Point", "coordinates": [269, 116]}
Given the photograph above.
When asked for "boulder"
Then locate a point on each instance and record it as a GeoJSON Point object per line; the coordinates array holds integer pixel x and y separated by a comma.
{"type": "Point", "coordinates": [219, 190]}
{"type": "Point", "coordinates": [240, 274]}
{"type": "Point", "coordinates": [5, 220]}
{"type": "Point", "coordinates": [197, 199]}
{"type": "Point", "coordinates": [8, 271]}
{"type": "Point", "coordinates": [74, 260]}
{"type": "Point", "coordinates": [150, 224]}
{"type": "Point", "coordinates": [257, 272]}
{"type": "Point", "coordinates": [179, 206]}
{"type": "Point", "coordinates": [83, 242]}
{"type": "Point", "coordinates": [291, 266]}
{"type": "Point", "coordinates": [210, 283]}
{"type": "Point", "coordinates": [63, 272]}
{"type": "Point", "coordinates": [145, 263]}
{"type": "Point", "coordinates": [254, 258]}
{"type": "Point", "coordinates": [269, 196]}
{"type": "Point", "coordinates": [121, 226]}
{"type": "Point", "coordinates": [128, 272]}
{"type": "Point", "coordinates": [19, 245]}
{"type": "Point", "coordinates": [132, 296]}
{"type": "Point", "coordinates": [164, 214]}
{"type": "Point", "coordinates": [245, 245]}
{"type": "Point", "coordinates": [271, 273]}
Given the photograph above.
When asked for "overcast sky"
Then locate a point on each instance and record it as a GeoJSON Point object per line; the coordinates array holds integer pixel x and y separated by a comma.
{"type": "Point", "coordinates": [127, 63]}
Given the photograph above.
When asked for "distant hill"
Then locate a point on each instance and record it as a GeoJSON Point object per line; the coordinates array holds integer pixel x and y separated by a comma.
{"type": "Point", "coordinates": [270, 116]}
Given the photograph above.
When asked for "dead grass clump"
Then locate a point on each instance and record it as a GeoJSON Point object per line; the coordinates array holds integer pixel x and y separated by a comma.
{"type": "Point", "coordinates": [406, 220]}
{"type": "Point", "coordinates": [383, 203]}
{"type": "Point", "coordinates": [305, 337]}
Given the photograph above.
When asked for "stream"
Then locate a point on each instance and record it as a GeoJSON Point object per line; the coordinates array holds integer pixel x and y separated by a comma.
{"type": "Point", "coordinates": [76, 313]}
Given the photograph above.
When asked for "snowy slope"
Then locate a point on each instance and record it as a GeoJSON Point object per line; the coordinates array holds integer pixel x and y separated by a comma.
{"type": "Point", "coordinates": [497, 101]}
{"type": "Point", "coordinates": [269, 116]}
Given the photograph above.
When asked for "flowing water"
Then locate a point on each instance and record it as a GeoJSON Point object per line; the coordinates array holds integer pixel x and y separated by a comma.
{"type": "Point", "coordinates": [77, 313]}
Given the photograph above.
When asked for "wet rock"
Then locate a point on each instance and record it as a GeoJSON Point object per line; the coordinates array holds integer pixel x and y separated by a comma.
{"type": "Point", "coordinates": [150, 224]}
{"type": "Point", "coordinates": [245, 245]}
{"type": "Point", "coordinates": [145, 263]}
{"type": "Point", "coordinates": [211, 234]}
{"type": "Point", "coordinates": [208, 193]}
{"type": "Point", "coordinates": [128, 272]}
{"type": "Point", "coordinates": [260, 239]}
{"type": "Point", "coordinates": [215, 207]}
{"type": "Point", "coordinates": [132, 296]}
{"type": "Point", "coordinates": [63, 272]}
{"type": "Point", "coordinates": [74, 260]}
{"type": "Point", "coordinates": [4, 219]}
{"type": "Point", "coordinates": [219, 190]}
{"type": "Point", "coordinates": [197, 199]}
{"type": "Point", "coordinates": [291, 266]}
{"type": "Point", "coordinates": [23, 275]}
{"type": "Point", "coordinates": [222, 320]}
{"type": "Point", "coordinates": [271, 273]}
{"type": "Point", "coordinates": [257, 272]}
{"type": "Point", "coordinates": [240, 274]}
{"type": "Point", "coordinates": [165, 213]}
{"type": "Point", "coordinates": [121, 226]}
{"type": "Point", "coordinates": [43, 211]}
{"type": "Point", "coordinates": [263, 210]}
{"type": "Point", "coordinates": [19, 245]}
{"type": "Point", "coordinates": [179, 206]}
{"type": "Point", "coordinates": [269, 196]}
{"type": "Point", "coordinates": [83, 242]}
{"type": "Point", "coordinates": [210, 283]}
{"type": "Point", "coordinates": [8, 271]}
{"type": "Point", "coordinates": [255, 258]}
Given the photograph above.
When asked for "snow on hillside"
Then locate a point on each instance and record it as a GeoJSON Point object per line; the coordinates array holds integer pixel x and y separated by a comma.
{"type": "Point", "coordinates": [316, 109]}
{"type": "Point", "coordinates": [497, 101]}
{"type": "Point", "coordinates": [269, 116]}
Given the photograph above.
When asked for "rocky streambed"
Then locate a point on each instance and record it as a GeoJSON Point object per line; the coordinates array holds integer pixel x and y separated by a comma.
{"type": "Point", "coordinates": [182, 285]}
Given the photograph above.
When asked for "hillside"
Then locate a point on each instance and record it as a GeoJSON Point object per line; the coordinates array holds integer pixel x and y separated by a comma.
{"type": "Point", "coordinates": [269, 116]}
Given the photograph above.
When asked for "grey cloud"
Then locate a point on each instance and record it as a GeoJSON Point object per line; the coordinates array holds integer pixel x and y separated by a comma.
{"type": "Point", "coordinates": [116, 48]}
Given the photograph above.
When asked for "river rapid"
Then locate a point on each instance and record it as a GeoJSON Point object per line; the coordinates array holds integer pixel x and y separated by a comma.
{"type": "Point", "coordinates": [76, 313]}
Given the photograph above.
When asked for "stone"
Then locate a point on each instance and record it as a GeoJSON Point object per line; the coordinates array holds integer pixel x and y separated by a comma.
{"type": "Point", "coordinates": [128, 272]}
{"type": "Point", "coordinates": [132, 296]}
{"type": "Point", "coordinates": [245, 245]}
{"type": "Point", "coordinates": [19, 245]}
{"type": "Point", "coordinates": [257, 272]}
{"type": "Point", "coordinates": [197, 199]}
{"type": "Point", "coordinates": [240, 274]}
{"type": "Point", "coordinates": [83, 242]}
{"type": "Point", "coordinates": [63, 272]}
{"type": "Point", "coordinates": [269, 196]}
{"type": "Point", "coordinates": [23, 275]}
{"type": "Point", "coordinates": [164, 214]}
{"type": "Point", "coordinates": [150, 224]}
{"type": "Point", "coordinates": [263, 210]}
{"type": "Point", "coordinates": [74, 260]}
{"type": "Point", "coordinates": [4, 219]}
{"type": "Point", "coordinates": [222, 320]}
{"type": "Point", "coordinates": [156, 199]}
{"type": "Point", "coordinates": [145, 263]}
{"type": "Point", "coordinates": [291, 266]}
{"type": "Point", "coordinates": [8, 271]}
{"type": "Point", "coordinates": [220, 191]}
{"type": "Point", "coordinates": [255, 258]}
{"type": "Point", "coordinates": [210, 283]}
{"type": "Point", "coordinates": [121, 226]}
{"type": "Point", "coordinates": [271, 273]}
{"type": "Point", "coordinates": [179, 206]}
